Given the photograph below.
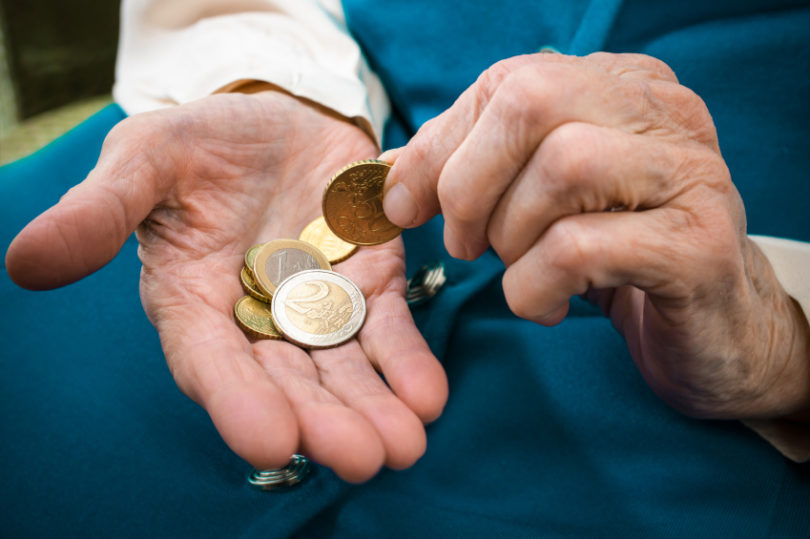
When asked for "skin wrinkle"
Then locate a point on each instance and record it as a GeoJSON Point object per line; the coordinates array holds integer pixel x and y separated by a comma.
{"type": "Point", "coordinates": [648, 98]}
{"type": "Point", "coordinates": [121, 218]}
{"type": "Point", "coordinates": [692, 334]}
{"type": "Point", "coordinates": [285, 360]}
{"type": "Point", "coordinates": [191, 246]}
{"type": "Point", "coordinates": [347, 369]}
{"type": "Point", "coordinates": [195, 370]}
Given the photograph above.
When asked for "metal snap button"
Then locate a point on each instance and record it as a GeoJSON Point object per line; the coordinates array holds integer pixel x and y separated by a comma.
{"type": "Point", "coordinates": [425, 283]}
{"type": "Point", "coordinates": [285, 477]}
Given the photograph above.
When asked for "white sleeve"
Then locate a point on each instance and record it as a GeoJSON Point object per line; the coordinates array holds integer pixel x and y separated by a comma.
{"type": "Point", "coordinates": [791, 264]}
{"type": "Point", "coordinates": [176, 51]}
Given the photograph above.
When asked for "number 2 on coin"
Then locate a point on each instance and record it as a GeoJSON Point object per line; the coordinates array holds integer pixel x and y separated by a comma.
{"type": "Point", "coordinates": [321, 292]}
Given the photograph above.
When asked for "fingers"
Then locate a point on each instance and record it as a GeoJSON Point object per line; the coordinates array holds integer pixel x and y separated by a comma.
{"type": "Point", "coordinates": [464, 160]}
{"type": "Point", "coordinates": [601, 250]}
{"type": "Point", "coordinates": [581, 167]}
{"type": "Point", "coordinates": [212, 363]}
{"type": "Point", "coordinates": [88, 226]}
{"type": "Point", "coordinates": [632, 65]}
{"type": "Point", "coordinates": [416, 170]}
{"type": "Point", "coordinates": [391, 339]}
{"type": "Point", "coordinates": [331, 432]}
{"type": "Point", "coordinates": [348, 417]}
{"type": "Point", "coordinates": [347, 374]}
{"type": "Point", "coordinates": [269, 400]}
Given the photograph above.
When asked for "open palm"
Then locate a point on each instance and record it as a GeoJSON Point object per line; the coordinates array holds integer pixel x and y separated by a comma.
{"type": "Point", "coordinates": [200, 184]}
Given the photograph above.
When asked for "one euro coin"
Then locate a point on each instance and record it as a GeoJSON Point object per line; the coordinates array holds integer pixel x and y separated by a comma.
{"type": "Point", "coordinates": [279, 259]}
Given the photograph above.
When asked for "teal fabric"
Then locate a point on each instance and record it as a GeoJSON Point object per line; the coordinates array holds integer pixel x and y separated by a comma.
{"type": "Point", "coordinates": [549, 432]}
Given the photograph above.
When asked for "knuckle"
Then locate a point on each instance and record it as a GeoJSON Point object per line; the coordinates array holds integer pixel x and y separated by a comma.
{"type": "Point", "coordinates": [635, 64]}
{"type": "Point", "coordinates": [494, 75]}
{"type": "Point", "coordinates": [457, 203]}
{"type": "Point", "coordinates": [570, 248]}
{"type": "Point", "coordinates": [640, 93]}
{"type": "Point", "coordinates": [642, 110]}
{"type": "Point", "coordinates": [418, 151]}
{"type": "Point", "coordinates": [656, 66]}
{"type": "Point", "coordinates": [531, 90]}
{"type": "Point", "coordinates": [567, 156]}
{"type": "Point", "coordinates": [687, 112]}
{"type": "Point", "coordinates": [693, 114]}
{"type": "Point", "coordinates": [139, 140]}
{"type": "Point", "coordinates": [519, 301]}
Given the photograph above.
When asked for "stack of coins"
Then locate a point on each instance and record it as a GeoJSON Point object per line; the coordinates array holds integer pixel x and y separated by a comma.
{"type": "Point", "coordinates": [292, 292]}
{"type": "Point", "coordinates": [281, 478]}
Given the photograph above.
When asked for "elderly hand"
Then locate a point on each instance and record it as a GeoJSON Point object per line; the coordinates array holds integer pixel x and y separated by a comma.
{"type": "Point", "coordinates": [200, 184]}
{"type": "Point", "coordinates": [603, 176]}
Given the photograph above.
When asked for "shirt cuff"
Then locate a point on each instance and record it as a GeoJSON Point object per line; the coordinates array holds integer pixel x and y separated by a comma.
{"type": "Point", "coordinates": [791, 264]}
{"type": "Point", "coordinates": [170, 57]}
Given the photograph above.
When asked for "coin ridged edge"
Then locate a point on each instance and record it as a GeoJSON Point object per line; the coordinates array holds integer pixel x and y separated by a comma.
{"type": "Point", "coordinates": [248, 262]}
{"type": "Point", "coordinates": [253, 291]}
{"type": "Point", "coordinates": [354, 293]}
{"type": "Point", "coordinates": [357, 163]}
{"type": "Point", "coordinates": [294, 473]}
{"type": "Point", "coordinates": [326, 190]}
{"type": "Point", "coordinates": [251, 331]}
{"type": "Point", "coordinates": [332, 260]}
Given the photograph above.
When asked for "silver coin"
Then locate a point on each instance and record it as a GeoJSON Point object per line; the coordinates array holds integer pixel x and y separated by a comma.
{"type": "Point", "coordinates": [426, 283]}
{"type": "Point", "coordinates": [281, 478]}
{"type": "Point", "coordinates": [318, 309]}
{"type": "Point", "coordinates": [278, 259]}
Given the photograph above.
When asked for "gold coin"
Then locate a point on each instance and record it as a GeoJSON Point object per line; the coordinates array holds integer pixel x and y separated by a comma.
{"type": "Point", "coordinates": [278, 259]}
{"type": "Point", "coordinates": [250, 287]}
{"type": "Point", "coordinates": [250, 256]}
{"type": "Point", "coordinates": [319, 235]}
{"type": "Point", "coordinates": [352, 204]}
{"type": "Point", "coordinates": [255, 318]}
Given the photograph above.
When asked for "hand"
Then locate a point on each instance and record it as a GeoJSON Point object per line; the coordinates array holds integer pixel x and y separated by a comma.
{"type": "Point", "coordinates": [202, 183]}
{"type": "Point", "coordinates": [603, 176]}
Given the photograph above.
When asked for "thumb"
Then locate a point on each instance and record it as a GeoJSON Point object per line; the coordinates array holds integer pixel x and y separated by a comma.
{"type": "Point", "coordinates": [87, 227]}
{"type": "Point", "coordinates": [407, 203]}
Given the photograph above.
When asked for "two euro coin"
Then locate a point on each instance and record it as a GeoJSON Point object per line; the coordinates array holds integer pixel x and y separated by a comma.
{"type": "Point", "coordinates": [310, 305]}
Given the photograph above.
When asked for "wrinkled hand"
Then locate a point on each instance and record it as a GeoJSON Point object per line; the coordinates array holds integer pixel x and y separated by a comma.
{"type": "Point", "coordinates": [202, 183]}
{"type": "Point", "coordinates": [603, 176]}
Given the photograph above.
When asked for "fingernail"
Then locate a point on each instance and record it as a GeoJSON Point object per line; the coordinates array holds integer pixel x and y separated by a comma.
{"type": "Point", "coordinates": [399, 206]}
{"type": "Point", "coordinates": [389, 156]}
{"type": "Point", "coordinates": [453, 246]}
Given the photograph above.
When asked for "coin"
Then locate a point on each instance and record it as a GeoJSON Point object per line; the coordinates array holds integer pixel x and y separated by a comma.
{"type": "Point", "coordinates": [255, 318]}
{"type": "Point", "coordinates": [249, 285]}
{"type": "Point", "coordinates": [278, 259]}
{"type": "Point", "coordinates": [352, 204]}
{"type": "Point", "coordinates": [318, 309]}
{"type": "Point", "coordinates": [319, 235]}
{"type": "Point", "coordinates": [250, 256]}
{"type": "Point", "coordinates": [425, 284]}
{"type": "Point", "coordinates": [281, 478]}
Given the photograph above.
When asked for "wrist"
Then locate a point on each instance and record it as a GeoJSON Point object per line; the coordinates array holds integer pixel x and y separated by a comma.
{"type": "Point", "coordinates": [261, 89]}
{"type": "Point", "coordinates": [783, 347]}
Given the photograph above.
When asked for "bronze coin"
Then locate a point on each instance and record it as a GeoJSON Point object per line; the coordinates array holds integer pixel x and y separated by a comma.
{"type": "Point", "coordinates": [352, 204]}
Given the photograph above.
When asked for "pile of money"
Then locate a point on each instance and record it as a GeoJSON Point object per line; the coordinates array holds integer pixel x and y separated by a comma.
{"type": "Point", "coordinates": [292, 292]}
